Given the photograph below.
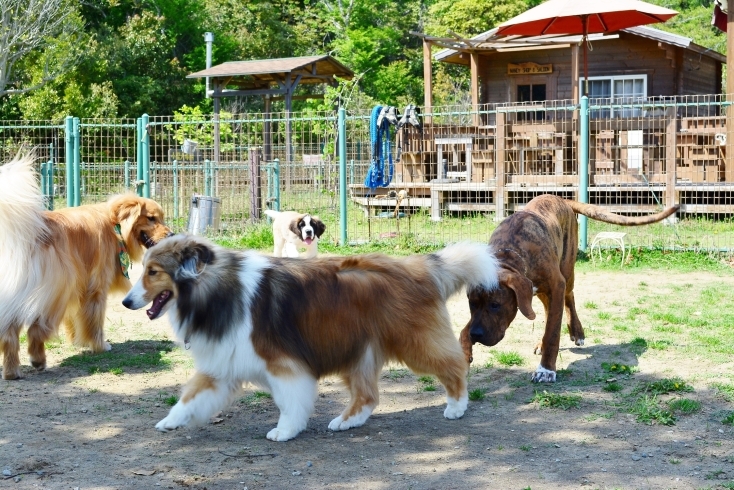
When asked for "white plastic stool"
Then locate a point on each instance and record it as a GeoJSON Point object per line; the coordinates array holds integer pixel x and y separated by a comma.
{"type": "Point", "coordinates": [615, 236]}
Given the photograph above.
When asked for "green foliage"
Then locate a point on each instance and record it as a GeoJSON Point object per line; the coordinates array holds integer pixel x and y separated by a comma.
{"type": "Point", "coordinates": [472, 17]}
{"type": "Point", "coordinates": [171, 400]}
{"type": "Point", "coordinates": [547, 399]}
{"type": "Point", "coordinates": [618, 368]}
{"type": "Point", "coordinates": [133, 56]}
{"type": "Point", "coordinates": [728, 418]}
{"type": "Point", "coordinates": [509, 358]}
{"type": "Point", "coordinates": [664, 386]}
{"type": "Point", "coordinates": [476, 395]}
{"type": "Point", "coordinates": [684, 405]}
{"type": "Point", "coordinates": [648, 411]}
{"type": "Point", "coordinates": [140, 355]}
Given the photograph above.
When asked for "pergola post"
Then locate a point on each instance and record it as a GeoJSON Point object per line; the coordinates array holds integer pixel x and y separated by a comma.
{"type": "Point", "coordinates": [575, 73]}
{"type": "Point", "coordinates": [267, 130]}
{"type": "Point", "coordinates": [474, 73]}
{"type": "Point", "coordinates": [217, 102]}
{"type": "Point", "coordinates": [428, 81]}
{"type": "Point", "coordinates": [729, 159]}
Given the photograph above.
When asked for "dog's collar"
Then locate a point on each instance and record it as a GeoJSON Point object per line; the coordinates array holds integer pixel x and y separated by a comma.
{"type": "Point", "coordinates": [524, 264]}
{"type": "Point", "coordinates": [122, 254]}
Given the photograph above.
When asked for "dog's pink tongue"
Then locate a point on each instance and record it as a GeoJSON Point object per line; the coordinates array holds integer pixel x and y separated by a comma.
{"type": "Point", "coordinates": [308, 241]}
{"type": "Point", "coordinates": [158, 303]}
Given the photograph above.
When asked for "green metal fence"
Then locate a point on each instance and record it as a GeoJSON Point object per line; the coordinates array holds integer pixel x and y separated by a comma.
{"type": "Point", "coordinates": [462, 172]}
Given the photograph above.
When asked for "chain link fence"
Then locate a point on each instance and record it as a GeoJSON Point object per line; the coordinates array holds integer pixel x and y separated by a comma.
{"type": "Point", "coordinates": [454, 173]}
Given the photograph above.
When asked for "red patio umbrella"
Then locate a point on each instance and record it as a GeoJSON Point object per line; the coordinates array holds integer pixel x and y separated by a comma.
{"type": "Point", "coordinates": [584, 17]}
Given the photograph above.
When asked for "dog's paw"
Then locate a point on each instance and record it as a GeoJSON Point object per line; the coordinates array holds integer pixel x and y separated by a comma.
{"type": "Point", "coordinates": [543, 375]}
{"type": "Point", "coordinates": [173, 421]}
{"type": "Point", "coordinates": [455, 408]}
{"type": "Point", "coordinates": [340, 424]}
{"type": "Point", "coordinates": [356, 420]}
{"type": "Point", "coordinates": [107, 346]}
{"type": "Point", "coordinates": [39, 364]}
{"type": "Point", "coordinates": [579, 342]}
{"type": "Point", "coordinates": [10, 374]}
{"type": "Point", "coordinates": [280, 435]}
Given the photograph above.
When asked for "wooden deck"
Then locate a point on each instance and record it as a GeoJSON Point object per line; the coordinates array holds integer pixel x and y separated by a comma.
{"type": "Point", "coordinates": [443, 197]}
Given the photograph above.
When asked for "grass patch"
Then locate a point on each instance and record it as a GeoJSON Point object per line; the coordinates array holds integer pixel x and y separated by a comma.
{"type": "Point", "coordinates": [525, 447]}
{"type": "Point", "coordinates": [728, 418]}
{"type": "Point", "coordinates": [396, 373]}
{"type": "Point", "coordinates": [170, 400]}
{"type": "Point", "coordinates": [590, 305]}
{"type": "Point", "coordinates": [665, 386]}
{"type": "Point", "coordinates": [724, 390]}
{"type": "Point", "coordinates": [648, 411]}
{"type": "Point", "coordinates": [476, 395]}
{"type": "Point", "coordinates": [684, 405]}
{"type": "Point", "coordinates": [612, 387]}
{"type": "Point", "coordinates": [134, 355]}
{"type": "Point", "coordinates": [509, 358]}
{"type": "Point", "coordinates": [258, 237]}
{"type": "Point", "coordinates": [657, 259]}
{"type": "Point", "coordinates": [618, 368]}
{"type": "Point", "coordinates": [546, 399]}
{"type": "Point", "coordinates": [603, 315]}
{"type": "Point", "coordinates": [255, 398]}
{"type": "Point", "coordinates": [428, 383]}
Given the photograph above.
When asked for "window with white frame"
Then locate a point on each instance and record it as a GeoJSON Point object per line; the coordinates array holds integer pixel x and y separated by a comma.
{"type": "Point", "coordinates": [615, 91]}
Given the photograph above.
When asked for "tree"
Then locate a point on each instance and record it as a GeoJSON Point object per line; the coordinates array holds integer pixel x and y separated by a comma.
{"type": "Point", "coordinates": [38, 32]}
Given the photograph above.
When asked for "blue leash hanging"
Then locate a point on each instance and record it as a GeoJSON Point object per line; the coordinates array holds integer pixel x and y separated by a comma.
{"type": "Point", "coordinates": [380, 146]}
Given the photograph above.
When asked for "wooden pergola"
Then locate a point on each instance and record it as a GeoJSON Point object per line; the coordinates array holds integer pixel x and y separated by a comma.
{"type": "Point", "coordinates": [273, 79]}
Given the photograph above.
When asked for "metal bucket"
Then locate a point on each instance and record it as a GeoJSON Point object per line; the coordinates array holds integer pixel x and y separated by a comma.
{"type": "Point", "coordinates": [205, 214]}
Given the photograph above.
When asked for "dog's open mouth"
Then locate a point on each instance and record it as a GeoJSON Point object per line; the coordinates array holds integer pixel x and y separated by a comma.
{"type": "Point", "coordinates": [158, 303]}
{"type": "Point", "coordinates": [308, 240]}
{"type": "Point", "coordinates": [147, 241]}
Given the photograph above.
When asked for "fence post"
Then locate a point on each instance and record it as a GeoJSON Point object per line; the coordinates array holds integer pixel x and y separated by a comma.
{"type": "Point", "coordinates": [146, 155]}
{"type": "Point", "coordinates": [207, 164]}
{"type": "Point", "coordinates": [276, 180]}
{"type": "Point", "coordinates": [584, 170]}
{"type": "Point", "coordinates": [77, 163]}
{"type": "Point", "coordinates": [127, 175]}
{"type": "Point", "coordinates": [175, 189]}
{"type": "Point", "coordinates": [139, 157]}
{"type": "Point", "coordinates": [342, 123]}
{"type": "Point", "coordinates": [255, 190]}
{"type": "Point", "coordinates": [69, 153]}
{"type": "Point", "coordinates": [49, 177]}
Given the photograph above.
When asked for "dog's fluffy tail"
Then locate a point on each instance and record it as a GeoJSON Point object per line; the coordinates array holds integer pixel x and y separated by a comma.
{"type": "Point", "coordinates": [22, 226]}
{"type": "Point", "coordinates": [21, 206]}
{"type": "Point", "coordinates": [465, 264]}
{"type": "Point", "coordinates": [272, 213]}
{"type": "Point", "coordinates": [599, 214]}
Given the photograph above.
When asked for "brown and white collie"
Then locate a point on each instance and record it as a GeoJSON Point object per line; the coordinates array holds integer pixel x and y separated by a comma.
{"type": "Point", "coordinates": [283, 323]}
{"type": "Point", "coordinates": [58, 266]}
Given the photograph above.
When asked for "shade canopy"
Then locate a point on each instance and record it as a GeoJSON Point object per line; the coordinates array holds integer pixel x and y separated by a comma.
{"type": "Point", "coordinates": [569, 16]}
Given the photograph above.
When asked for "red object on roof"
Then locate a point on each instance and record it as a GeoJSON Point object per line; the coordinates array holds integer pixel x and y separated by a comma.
{"type": "Point", "coordinates": [567, 17]}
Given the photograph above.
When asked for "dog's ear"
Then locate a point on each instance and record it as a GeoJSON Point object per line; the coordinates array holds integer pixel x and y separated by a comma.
{"type": "Point", "coordinates": [293, 226]}
{"type": "Point", "coordinates": [124, 209]}
{"type": "Point", "coordinates": [523, 289]}
{"type": "Point", "coordinates": [194, 258]}
{"type": "Point", "coordinates": [318, 226]}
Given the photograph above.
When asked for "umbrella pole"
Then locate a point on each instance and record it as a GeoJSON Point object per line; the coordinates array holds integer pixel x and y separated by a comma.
{"type": "Point", "coordinates": [585, 42]}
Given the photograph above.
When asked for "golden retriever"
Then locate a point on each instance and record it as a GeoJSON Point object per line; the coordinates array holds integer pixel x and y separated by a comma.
{"type": "Point", "coordinates": [58, 266]}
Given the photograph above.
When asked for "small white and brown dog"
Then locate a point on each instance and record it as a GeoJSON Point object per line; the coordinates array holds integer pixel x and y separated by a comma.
{"type": "Point", "coordinates": [293, 232]}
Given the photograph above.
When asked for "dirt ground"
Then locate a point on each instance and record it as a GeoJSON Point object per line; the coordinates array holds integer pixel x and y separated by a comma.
{"type": "Point", "coordinates": [67, 428]}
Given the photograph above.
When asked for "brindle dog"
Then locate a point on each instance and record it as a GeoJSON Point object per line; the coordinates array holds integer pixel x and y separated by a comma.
{"type": "Point", "coordinates": [536, 249]}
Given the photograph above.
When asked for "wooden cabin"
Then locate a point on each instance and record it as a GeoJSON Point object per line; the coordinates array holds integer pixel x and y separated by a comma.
{"type": "Point", "coordinates": [654, 63]}
{"type": "Point", "coordinates": [522, 136]}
